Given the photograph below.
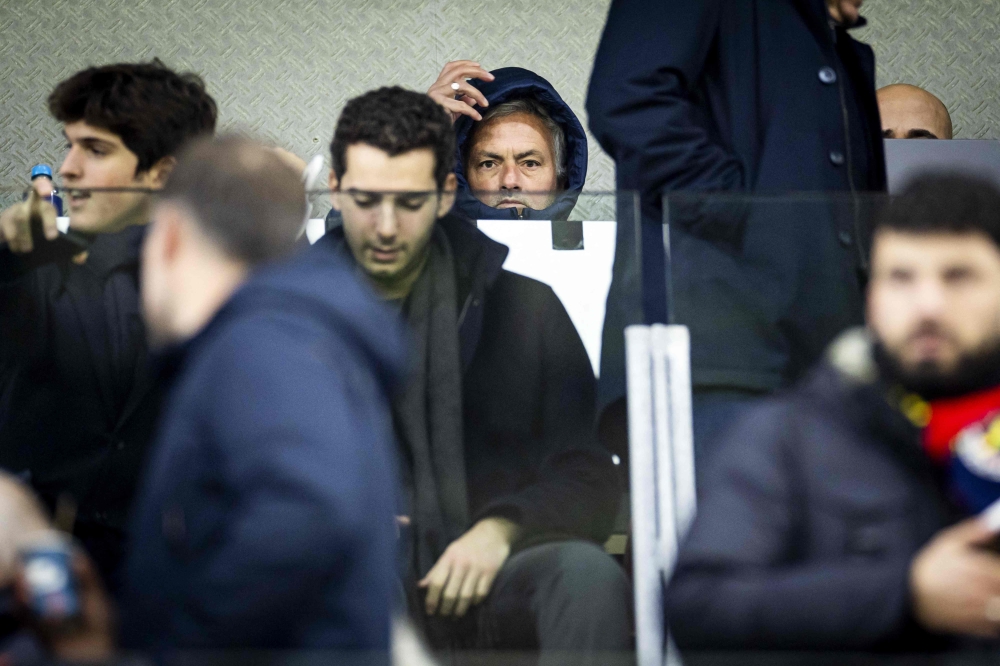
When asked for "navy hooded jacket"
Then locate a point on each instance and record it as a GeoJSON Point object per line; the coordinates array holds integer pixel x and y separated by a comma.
{"type": "Point", "coordinates": [512, 83]}
{"type": "Point", "coordinates": [266, 516]}
{"type": "Point", "coordinates": [743, 97]}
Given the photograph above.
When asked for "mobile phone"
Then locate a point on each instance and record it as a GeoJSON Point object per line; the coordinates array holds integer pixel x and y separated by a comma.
{"type": "Point", "coordinates": [48, 572]}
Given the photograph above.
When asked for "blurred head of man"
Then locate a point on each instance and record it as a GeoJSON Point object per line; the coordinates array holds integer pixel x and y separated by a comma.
{"type": "Point", "coordinates": [393, 152]}
{"type": "Point", "coordinates": [516, 156]}
{"type": "Point", "coordinates": [934, 294]}
{"type": "Point", "coordinates": [230, 205]}
{"type": "Point", "coordinates": [909, 112]}
{"type": "Point", "coordinates": [123, 124]}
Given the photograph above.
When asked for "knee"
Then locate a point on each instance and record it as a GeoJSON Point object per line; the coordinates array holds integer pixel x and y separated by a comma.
{"type": "Point", "coordinates": [585, 569]}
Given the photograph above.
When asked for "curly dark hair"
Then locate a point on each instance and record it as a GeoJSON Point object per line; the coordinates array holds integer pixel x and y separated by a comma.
{"type": "Point", "coordinates": [152, 108]}
{"type": "Point", "coordinates": [945, 203]}
{"type": "Point", "coordinates": [396, 121]}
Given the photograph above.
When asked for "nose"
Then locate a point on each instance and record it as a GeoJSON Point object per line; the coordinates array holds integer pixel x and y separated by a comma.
{"type": "Point", "coordinates": [72, 167]}
{"type": "Point", "coordinates": [931, 298]}
{"type": "Point", "coordinates": [387, 226]}
{"type": "Point", "coordinates": [510, 177]}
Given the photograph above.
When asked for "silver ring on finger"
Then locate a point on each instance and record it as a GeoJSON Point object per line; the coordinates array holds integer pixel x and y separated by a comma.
{"type": "Point", "coordinates": [455, 86]}
{"type": "Point", "coordinates": [992, 610]}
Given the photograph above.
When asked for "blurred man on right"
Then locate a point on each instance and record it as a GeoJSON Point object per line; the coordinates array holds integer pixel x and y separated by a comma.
{"type": "Point", "coordinates": [909, 112]}
{"type": "Point", "coordinates": [837, 514]}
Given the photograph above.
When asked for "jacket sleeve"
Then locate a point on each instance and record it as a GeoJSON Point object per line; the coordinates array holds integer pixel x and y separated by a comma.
{"type": "Point", "coordinates": [576, 490]}
{"type": "Point", "coordinates": [642, 99]}
{"type": "Point", "coordinates": [739, 582]}
{"type": "Point", "coordinates": [307, 452]}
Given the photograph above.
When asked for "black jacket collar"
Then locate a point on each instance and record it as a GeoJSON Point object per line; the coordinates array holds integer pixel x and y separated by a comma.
{"type": "Point", "coordinates": [478, 264]}
{"type": "Point", "coordinates": [110, 252]}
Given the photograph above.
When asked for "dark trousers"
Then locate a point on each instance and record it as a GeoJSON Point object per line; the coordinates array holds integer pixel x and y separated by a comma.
{"type": "Point", "coordinates": [568, 601]}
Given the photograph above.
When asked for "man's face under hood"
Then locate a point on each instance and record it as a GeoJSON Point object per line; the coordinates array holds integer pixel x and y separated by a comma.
{"type": "Point", "coordinates": [934, 310]}
{"type": "Point", "coordinates": [511, 163]}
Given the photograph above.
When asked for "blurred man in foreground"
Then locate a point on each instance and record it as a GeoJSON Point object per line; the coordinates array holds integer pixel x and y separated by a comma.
{"type": "Point", "coordinates": [506, 495]}
{"type": "Point", "coordinates": [826, 520]}
{"type": "Point", "coordinates": [77, 402]}
{"type": "Point", "coordinates": [909, 112]}
{"type": "Point", "coordinates": [522, 153]}
{"type": "Point", "coordinates": [265, 519]}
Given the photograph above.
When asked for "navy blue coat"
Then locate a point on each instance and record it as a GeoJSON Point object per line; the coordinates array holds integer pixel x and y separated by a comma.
{"type": "Point", "coordinates": [266, 516]}
{"type": "Point", "coordinates": [737, 96]}
{"type": "Point", "coordinates": [808, 520]}
{"type": "Point", "coordinates": [508, 84]}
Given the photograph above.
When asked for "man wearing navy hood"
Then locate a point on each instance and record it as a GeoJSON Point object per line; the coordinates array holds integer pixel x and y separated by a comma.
{"type": "Point", "coordinates": [522, 153]}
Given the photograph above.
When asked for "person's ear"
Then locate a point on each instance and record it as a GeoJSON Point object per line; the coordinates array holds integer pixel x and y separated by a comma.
{"type": "Point", "coordinates": [447, 199]}
{"type": "Point", "coordinates": [334, 184]}
{"type": "Point", "coordinates": [156, 176]}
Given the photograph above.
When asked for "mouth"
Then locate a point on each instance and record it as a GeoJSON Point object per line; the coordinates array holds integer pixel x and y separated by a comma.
{"type": "Point", "coordinates": [77, 197]}
{"type": "Point", "coordinates": [510, 203]}
{"type": "Point", "coordinates": [385, 255]}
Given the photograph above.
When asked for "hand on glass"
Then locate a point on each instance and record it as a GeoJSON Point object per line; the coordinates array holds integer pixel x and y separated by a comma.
{"type": "Point", "coordinates": [464, 574]}
{"type": "Point", "coordinates": [15, 223]}
{"type": "Point", "coordinates": [955, 582]}
{"type": "Point", "coordinates": [453, 91]}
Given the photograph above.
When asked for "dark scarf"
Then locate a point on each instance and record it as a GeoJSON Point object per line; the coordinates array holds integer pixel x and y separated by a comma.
{"type": "Point", "coordinates": [429, 413]}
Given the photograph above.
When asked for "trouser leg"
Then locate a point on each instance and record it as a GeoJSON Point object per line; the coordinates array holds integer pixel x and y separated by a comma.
{"type": "Point", "coordinates": [569, 599]}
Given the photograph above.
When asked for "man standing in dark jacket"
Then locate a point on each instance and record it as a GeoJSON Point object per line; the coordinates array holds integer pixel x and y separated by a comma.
{"type": "Point", "coordinates": [747, 97]}
{"type": "Point", "coordinates": [522, 154]}
{"type": "Point", "coordinates": [506, 495]}
{"type": "Point", "coordinates": [265, 519]}
{"type": "Point", "coordinates": [77, 405]}
{"type": "Point", "coordinates": [823, 522]}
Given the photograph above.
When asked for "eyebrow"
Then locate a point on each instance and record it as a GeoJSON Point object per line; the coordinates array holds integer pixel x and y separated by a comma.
{"type": "Point", "coordinates": [91, 140]}
{"type": "Point", "coordinates": [519, 156]}
{"type": "Point", "coordinates": [921, 134]}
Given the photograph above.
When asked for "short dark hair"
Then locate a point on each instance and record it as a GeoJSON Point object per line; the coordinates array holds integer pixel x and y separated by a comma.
{"type": "Point", "coordinates": [152, 108]}
{"type": "Point", "coordinates": [396, 121]}
{"type": "Point", "coordinates": [242, 195]}
{"type": "Point", "coordinates": [945, 203]}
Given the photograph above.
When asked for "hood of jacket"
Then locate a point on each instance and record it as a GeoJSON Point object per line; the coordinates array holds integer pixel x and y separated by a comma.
{"type": "Point", "coordinates": [323, 292]}
{"type": "Point", "coordinates": [512, 83]}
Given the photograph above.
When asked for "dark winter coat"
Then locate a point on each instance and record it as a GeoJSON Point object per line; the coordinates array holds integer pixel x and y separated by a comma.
{"type": "Point", "coordinates": [529, 397]}
{"type": "Point", "coordinates": [737, 96]}
{"type": "Point", "coordinates": [77, 402]}
{"type": "Point", "coordinates": [266, 515]}
{"type": "Point", "coordinates": [808, 520]}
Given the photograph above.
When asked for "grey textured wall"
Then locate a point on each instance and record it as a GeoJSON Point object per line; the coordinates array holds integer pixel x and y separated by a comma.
{"type": "Point", "coordinates": [284, 68]}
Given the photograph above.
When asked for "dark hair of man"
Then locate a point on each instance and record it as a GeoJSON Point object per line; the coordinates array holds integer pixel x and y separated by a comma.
{"type": "Point", "coordinates": [947, 203]}
{"type": "Point", "coordinates": [242, 195]}
{"type": "Point", "coordinates": [532, 107]}
{"type": "Point", "coordinates": [396, 121]}
{"type": "Point", "coordinates": [153, 109]}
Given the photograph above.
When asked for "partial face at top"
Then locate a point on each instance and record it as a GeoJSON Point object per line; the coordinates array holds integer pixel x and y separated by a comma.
{"type": "Point", "coordinates": [98, 158]}
{"type": "Point", "coordinates": [846, 12]}
{"type": "Point", "coordinates": [389, 205]}
{"type": "Point", "coordinates": [512, 165]}
{"type": "Point", "coordinates": [909, 112]}
{"type": "Point", "coordinates": [934, 301]}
